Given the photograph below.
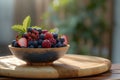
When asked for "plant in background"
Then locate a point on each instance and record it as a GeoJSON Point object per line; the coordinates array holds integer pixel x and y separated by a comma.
{"type": "Point", "coordinates": [80, 20]}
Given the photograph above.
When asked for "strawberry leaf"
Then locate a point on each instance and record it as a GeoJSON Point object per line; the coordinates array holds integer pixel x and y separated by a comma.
{"type": "Point", "coordinates": [26, 23]}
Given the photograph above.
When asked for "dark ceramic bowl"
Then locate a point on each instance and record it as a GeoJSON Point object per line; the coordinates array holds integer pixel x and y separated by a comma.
{"type": "Point", "coordinates": [38, 55]}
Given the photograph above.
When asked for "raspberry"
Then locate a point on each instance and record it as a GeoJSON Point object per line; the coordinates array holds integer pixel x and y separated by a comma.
{"type": "Point", "coordinates": [53, 41]}
{"type": "Point", "coordinates": [46, 44]}
{"type": "Point", "coordinates": [48, 35]}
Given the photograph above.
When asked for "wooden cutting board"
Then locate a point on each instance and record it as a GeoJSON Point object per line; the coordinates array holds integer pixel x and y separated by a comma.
{"type": "Point", "coordinates": [67, 67]}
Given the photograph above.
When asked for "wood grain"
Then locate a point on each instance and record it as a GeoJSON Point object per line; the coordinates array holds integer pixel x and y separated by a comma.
{"type": "Point", "coordinates": [67, 67]}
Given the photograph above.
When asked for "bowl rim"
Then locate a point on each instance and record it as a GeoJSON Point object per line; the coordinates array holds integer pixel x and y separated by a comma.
{"type": "Point", "coordinates": [10, 46]}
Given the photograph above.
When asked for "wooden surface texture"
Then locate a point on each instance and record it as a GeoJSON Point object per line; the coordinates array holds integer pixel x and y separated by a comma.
{"type": "Point", "coordinates": [69, 66]}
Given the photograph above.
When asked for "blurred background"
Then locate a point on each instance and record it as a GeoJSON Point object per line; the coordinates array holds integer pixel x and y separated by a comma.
{"type": "Point", "coordinates": [92, 26]}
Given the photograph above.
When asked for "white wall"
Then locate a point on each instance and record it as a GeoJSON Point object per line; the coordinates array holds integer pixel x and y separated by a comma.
{"type": "Point", "coordinates": [6, 20]}
{"type": "Point", "coordinates": [116, 33]}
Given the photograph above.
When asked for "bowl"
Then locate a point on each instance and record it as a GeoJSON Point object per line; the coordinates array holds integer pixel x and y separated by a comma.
{"type": "Point", "coordinates": [38, 56]}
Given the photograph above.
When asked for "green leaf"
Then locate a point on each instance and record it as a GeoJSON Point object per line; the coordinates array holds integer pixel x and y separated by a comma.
{"type": "Point", "coordinates": [37, 27]}
{"type": "Point", "coordinates": [26, 23]}
{"type": "Point", "coordinates": [18, 28]}
{"type": "Point", "coordinates": [54, 30]}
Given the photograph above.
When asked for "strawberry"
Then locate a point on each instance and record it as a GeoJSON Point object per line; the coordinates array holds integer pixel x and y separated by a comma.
{"type": "Point", "coordinates": [22, 42]}
{"type": "Point", "coordinates": [65, 38]}
{"type": "Point", "coordinates": [48, 35]}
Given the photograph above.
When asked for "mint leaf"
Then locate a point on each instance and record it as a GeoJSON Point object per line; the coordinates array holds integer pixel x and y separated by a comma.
{"type": "Point", "coordinates": [18, 28]}
{"type": "Point", "coordinates": [37, 27]}
{"type": "Point", "coordinates": [26, 23]}
{"type": "Point", "coordinates": [54, 30]}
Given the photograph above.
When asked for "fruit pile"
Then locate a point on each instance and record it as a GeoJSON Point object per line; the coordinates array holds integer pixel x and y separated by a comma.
{"type": "Point", "coordinates": [37, 38]}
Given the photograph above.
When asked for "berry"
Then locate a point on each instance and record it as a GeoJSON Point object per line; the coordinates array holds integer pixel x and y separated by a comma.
{"type": "Point", "coordinates": [16, 44]}
{"type": "Point", "coordinates": [36, 32]}
{"type": "Point", "coordinates": [53, 46]}
{"type": "Point", "coordinates": [57, 40]}
{"type": "Point", "coordinates": [53, 41]}
{"type": "Point", "coordinates": [22, 42]}
{"type": "Point", "coordinates": [65, 38]}
{"type": "Point", "coordinates": [40, 31]}
{"type": "Point", "coordinates": [31, 46]}
{"type": "Point", "coordinates": [55, 35]}
{"type": "Point", "coordinates": [29, 29]}
{"type": "Point", "coordinates": [30, 43]}
{"type": "Point", "coordinates": [13, 42]}
{"type": "Point", "coordinates": [59, 44]}
{"type": "Point", "coordinates": [41, 36]}
{"type": "Point", "coordinates": [33, 35]}
{"type": "Point", "coordinates": [35, 43]}
{"type": "Point", "coordinates": [40, 41]}
{"type": "Point", "coordinates": [44, 31]}
{"type": "Point", "coordinates": [24, 35]}
{"type": "Point", "coordinates": [48, 35]}
{"type": "Point", "coordinates": [39, 46]}
{"type": "Point", "coordinates": [62, 40]}
{"type": "Point", "coordinates": [46, 44]}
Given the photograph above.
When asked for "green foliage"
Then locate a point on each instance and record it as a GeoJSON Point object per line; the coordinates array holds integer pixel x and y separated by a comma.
{"type": "Point", "coordinates": [26, 22]}
{"type": "Point", "coordinates": [18, 28]}
{"type": "Point", "coordinates": [22, 28]}
{"type": "Point", "coordinates": [81, 21]}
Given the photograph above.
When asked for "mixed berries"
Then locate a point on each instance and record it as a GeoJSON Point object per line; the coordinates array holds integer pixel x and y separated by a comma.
{"type": "Point", "coordinates": [38, 38]}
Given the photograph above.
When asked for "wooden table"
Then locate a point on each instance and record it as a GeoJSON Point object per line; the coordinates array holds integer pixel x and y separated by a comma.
{"type": "Point", "coordinates": [113, 74]}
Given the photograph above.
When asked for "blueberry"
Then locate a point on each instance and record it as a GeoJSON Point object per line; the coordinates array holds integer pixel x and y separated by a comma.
{"type": "Point", "coordinates": [62, 40]}
{"type": "Point", "coordinates": [39, 46]}
{"type": "Point", "coordinates": [57, 40]}
{"type": "Point", "coordinates": [16, 44]}
{"type": "Point", "coordinates": [55, 35]}
{"type": "Point", "coordinates": [53, 46]}
{"type": "Point", "coordinates": [40, 41]}
{"type": "Point", "coordinates": [13, 42]}
{"type": "Point", "coordinates": [29, 29]}
{"type": "Point", "coordinates": [39, 30]}
{"type": "Point", "coordinates": [41, 36]}
{"type": "Point", "coordinates": [30, 43]}
{"type": "Point", "coordinates": [31, 46]}
{"type": "Point", "coordinates": [59, 44]}
{"type": "Point", "coordinates": [35, 43]}
{"type": "Point", "coordinates": [24, 35]}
